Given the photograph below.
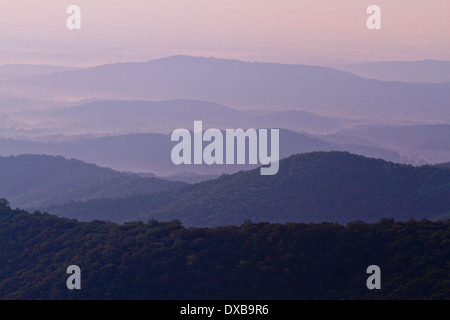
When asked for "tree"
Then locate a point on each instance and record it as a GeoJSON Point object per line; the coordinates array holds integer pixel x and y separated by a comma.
{"type": "Point", "coordinates": [4, 203]}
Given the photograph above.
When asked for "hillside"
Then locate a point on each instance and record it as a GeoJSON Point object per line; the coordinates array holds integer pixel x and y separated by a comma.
{"type": "Point", "coordinates": [443, 165]}
{"type": "Point", "coordinates": [246, 84]}
{"type": "Point", "coordinates": [313, 187]}
{"type": "Point", "coordinates": [37, 180]}
{"type": "Point", "coordinates": [253, 261]}
{"type": "Point", "coordinates": [150, 152]}
{"type": "Point", "coordinates": [120, 116]}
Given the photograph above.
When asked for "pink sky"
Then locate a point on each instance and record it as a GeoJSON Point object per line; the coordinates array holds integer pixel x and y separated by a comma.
{"type": "Point", "coordinates": [319, 32]}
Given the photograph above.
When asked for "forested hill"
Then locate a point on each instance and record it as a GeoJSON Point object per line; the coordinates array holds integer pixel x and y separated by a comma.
{"type": "Point", "coordinates": [37, 180]}
{"type": "Point", "coordinates": [313, 187]}
{"type": "Point", "coordinates": [253, 261]}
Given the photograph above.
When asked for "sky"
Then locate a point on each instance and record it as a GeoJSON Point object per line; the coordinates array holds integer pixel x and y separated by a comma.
{"type": "Point", "coordinates": [318, 32]}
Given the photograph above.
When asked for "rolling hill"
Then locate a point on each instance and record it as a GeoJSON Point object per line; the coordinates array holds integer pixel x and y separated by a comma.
{"type": "Point", "coordinates": [313, 187]}
{"type": "Point", "coordinates": [35, 180]}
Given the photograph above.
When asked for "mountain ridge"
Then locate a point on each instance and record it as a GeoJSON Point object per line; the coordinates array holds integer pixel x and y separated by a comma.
{"type": "Point", "coordinates": [246, 84]}
{"type": "Point", "coordinates": [312, 187]}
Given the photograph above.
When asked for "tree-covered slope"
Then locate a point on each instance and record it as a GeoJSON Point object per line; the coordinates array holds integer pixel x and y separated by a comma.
{"type": "Point", "coordinates": [38, 180]}
{"type": "Point", "coordinates": [313, 187]}
{"type": "Point", "coordinates": [253, 261]}
{"type": "Point", "coordinates": [443, 165]}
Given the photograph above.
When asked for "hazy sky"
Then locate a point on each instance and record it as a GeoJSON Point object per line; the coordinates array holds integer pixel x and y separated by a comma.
{"type": "Point", "coordinates": [322, 32]}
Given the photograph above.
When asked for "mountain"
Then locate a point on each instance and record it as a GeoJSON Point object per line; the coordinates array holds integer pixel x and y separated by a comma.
{"type": "Point", "coordinates": [246, 84]}
{"type": "Point", "coordinates": [165, 116]}
{"type": "Point", "coordinates": [254, 261]}
{"type": "Point", "coordinates": [34, 180]}
{"type": "Point", "coordinates": [428, 142]}
{"type": "Point", "coordinates": [313, 187]}
{"type": "Point", "coordinates": [425, 71]}
{"type": "Point", "coordinates": [151, 152]}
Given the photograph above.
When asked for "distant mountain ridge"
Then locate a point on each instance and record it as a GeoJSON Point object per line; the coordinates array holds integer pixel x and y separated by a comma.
{"type": "Point", "coordinates": [423, 71]}
{"type": "Point", "coordinates": [312, 187]}
{"type": "Point", "coordinates": [245, 84]}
